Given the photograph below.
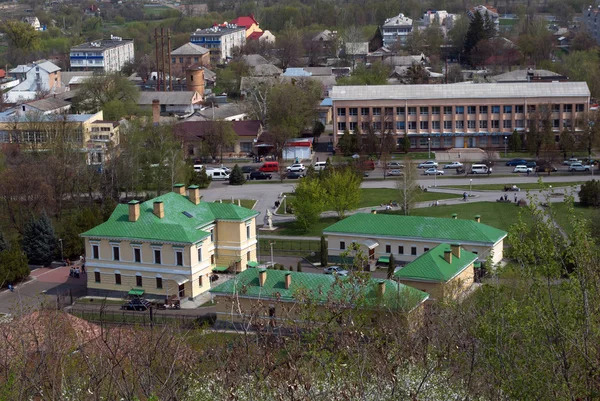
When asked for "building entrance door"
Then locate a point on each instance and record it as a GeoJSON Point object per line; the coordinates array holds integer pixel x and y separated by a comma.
{"type": "Point", "coordinates": [460, 142]}
{"type": "Point", "coordinates": [181, 290]}
{"type": "Point", "coordinates": [471, 142]}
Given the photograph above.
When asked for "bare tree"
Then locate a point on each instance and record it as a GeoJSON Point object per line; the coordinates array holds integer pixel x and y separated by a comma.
{"type": "Point", "coordinates": [408, 187]}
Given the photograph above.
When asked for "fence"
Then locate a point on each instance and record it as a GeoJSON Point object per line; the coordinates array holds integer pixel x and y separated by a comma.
{"type": "Point", "coordinates": [286, 247]}
{"type": "Point", "coordinates": [151, 317]}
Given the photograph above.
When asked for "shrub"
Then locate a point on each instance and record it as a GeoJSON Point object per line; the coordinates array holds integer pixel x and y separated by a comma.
{"type": "Point", "coordinates": [236, 177]}
{"type": "Point", "coordinates": [299, 266]}
{"type": "Point", "coordinates": [589, 195]}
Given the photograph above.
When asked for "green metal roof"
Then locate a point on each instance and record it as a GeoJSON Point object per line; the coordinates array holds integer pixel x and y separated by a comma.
{"type": "Point", "coordinates": [383, 259]}
{"type": "Point", "coordinates": [417, 227]}
{"type": "Point", "coordinates": [321, 288]}
{"type": "Point", "coordinates": [431, 266]}
{"type": "Point", "coordinates": [136, 292]}
{"type": "Point", "coordinates": [179, 224]}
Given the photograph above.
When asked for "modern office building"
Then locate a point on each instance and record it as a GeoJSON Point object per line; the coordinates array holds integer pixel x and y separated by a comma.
{"type": "Point", "coordinates": [105, 55]}
{"type": "Point", "coordinates": [396, 30]}
{"type": "Point", "coordinates": [458, 115]}
{"type": "Point", "coordinates": [220, 40]}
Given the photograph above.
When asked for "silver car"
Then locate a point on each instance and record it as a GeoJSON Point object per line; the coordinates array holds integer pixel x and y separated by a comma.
{"type": "Point", "coordinates": [335, 270]}
{"type": "Point", "coordinates": [428, 164]}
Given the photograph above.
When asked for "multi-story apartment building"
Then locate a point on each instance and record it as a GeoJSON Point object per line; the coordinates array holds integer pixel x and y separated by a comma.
{"type": "Point", "coordinates": [459, 115]}
{"type": "Point", "coordinates": [105, 55]}
{"type": "Point", "coordinates": [396, 30]}
{"type": "Point", "coordinates": [591, 20]}
{"type": "Point", "coordinates": [188, 55]}
{"type": "Point", "coordinates": [168, 245]}
{"type": "Point", "coordinates": [220, 40]}
{"type": "Point", "coordinates": [86, 133]}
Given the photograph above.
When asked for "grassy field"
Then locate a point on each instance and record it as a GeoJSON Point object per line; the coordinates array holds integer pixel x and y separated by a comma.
{"type": "Point", "coordinates": [247, 203]}
{"type": "Point", "coordinates": [529, 185]}
{"type": "Point", "coordinates": [377, 196]}
{"type": "Point", "coordinates": [563, 219]}
{"type": "Point", "coordinates": [156, 10]}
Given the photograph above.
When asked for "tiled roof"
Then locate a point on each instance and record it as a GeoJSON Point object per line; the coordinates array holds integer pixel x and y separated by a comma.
{"type": "Point", "coordinates": [175, 226]}
{"type": "Point", "coordinates": [431, 266]}
{"type": "Point", "coordinates": [245, 21]}
{"type": "Point", "coordinates": [417, 227]}
{"type": "Point", "coordinates": [195, 129]}
{"type": "Point", "coordinates": [521, 90]}
{"type": "Point", "coordinates": [320, 288]}
{"type": "Point", "coordinates": [189, 49]}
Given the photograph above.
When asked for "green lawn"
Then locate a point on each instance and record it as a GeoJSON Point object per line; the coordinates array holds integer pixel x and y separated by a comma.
{"type": "Point", "coordinates": [156, 10]}
{"type": "Point", "coordinates": [529, 185]}
{"type": "Point", "coordinates": [247, 203]}
{"type": "Point", "coordinates": [290, 228]}
{"type": "Point", "coordinates": [377, 196]}
{"type": "Point", "coordinates": [499, 215]}
{"type": "Point", "coordinates": [563, 219]}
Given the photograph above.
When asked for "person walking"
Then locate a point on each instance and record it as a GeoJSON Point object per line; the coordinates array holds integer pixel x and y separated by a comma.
{"type": "Point", "coordinates": [516, 200]}
{"type": "Point", "coordinates": [465, 196]}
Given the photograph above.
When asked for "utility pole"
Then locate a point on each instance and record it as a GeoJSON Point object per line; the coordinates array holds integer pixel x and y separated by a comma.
{"type": "Point", "coordinates": [162, 55]}
{"type": "Point", "coordinates": [169, 56]}
{"type": "Point", "coordinates": [157, 88]}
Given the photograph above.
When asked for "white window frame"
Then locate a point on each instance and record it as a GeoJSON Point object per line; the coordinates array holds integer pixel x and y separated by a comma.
{"type": "Point", "coordinates": [114, 245]}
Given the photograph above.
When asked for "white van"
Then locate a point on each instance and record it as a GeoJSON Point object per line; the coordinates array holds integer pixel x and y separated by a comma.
{"type": "Point", "coordinates": [198, 167]}
{"type": "Point", "coordinates": [479, 169]}
{"type": "Point", "coordinates": [320, 166]}
{"type": "Point", "coordinates": [217, 174]}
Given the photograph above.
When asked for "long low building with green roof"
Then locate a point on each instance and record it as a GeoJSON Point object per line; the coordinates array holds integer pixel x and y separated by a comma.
{"type": "Point", "coordinates": [168, 246]}
{"type": "Point", "coordinates": [408, 237]}
{"type": "Point", "coordinates": [444, 271]}
{"type": "Point", "coordinates": [258, 294]}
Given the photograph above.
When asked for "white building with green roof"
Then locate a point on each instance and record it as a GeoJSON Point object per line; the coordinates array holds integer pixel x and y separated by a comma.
{"type": "Point", "coordinates": [258, 295]}
{"type": "Point", "coordinates": [408, 237]}
{"type": "Point", "coordinates": [168, 246]}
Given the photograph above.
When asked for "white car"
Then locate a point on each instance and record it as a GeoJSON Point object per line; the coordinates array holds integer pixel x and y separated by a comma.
{"type": "Point", "coordinates": [394, 172]}
{"type": "Point", "coordinates": [434, 171]}
{"type": "Point", "coordinates": [571, 161]}
{"type": "Point", "coordinates": [454, 165]}
{"type": "Point", "coordinates": [395, 165]}
{"type": "Point", "coordinates": [522, 169]}
{"type": "Point", "coordinates": [578, 167]}
{"type": "Point", "coordinates": [295, 168]}
{"type": "Point", "coordinates": [428, 164]}
{"type": "Point", "coordinates": [335, 270]}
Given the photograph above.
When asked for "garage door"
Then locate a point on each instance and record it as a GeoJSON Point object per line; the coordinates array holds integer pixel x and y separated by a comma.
{"type": "Point", "coordinates": [460, 142]}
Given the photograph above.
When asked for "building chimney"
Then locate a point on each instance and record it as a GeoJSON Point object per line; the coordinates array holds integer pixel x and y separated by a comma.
{"type": "Point", "coordinates": [134, 211]}
{"type": "Point", "coordinates": [478, 218]}
{"type": "Point", "coordinates": [448, 256]}
{"type": "Point", "coordinates": [455, 250]}
{"type": "Point", "coordinates": [380, 288]}
{"type": "Point", "coordinates": [159, 209]}
{"type": "Point", "coordinates": [454, 216]}
{"type": "Point", "coordinates": [155, 111]}
{"type": "Point", "coordinates": [262, 277]}
{"type": "Point", "coordinates": [288, 280]}
{"type": "Point", "coordinates": [194, 194]}
{"type": "Point", "coordinates": [179, 189]}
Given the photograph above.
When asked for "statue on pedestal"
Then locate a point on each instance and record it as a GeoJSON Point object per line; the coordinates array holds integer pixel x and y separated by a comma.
{"type": "Point", "coordinates": [269, 220]}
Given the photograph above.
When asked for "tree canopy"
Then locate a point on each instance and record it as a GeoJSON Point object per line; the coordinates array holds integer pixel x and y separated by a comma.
{"type": "Point", "coordinates": [113, 93]}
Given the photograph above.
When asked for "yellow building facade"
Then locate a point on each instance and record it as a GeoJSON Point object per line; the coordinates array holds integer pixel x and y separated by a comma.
{"type": "Point", "coordinates": [168, 246]}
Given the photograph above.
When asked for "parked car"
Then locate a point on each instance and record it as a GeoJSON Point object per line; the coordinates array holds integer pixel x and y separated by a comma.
{"type": "Point", "coordinates": [335, 270]}
{"type": "Point", "coordinates": [522, 169]}
{"type": "Point", "coordinates": [248, 169]}
{"type": "Point", "coordinates": [297, 168]}
{"type": "Point", "coordinates": [531, 164]}
{"type": "Point", "coordinates": [433, 171]}
{"type": "Point", "coordinates": [453, 165]}
{"type": "Point", "coordinates": [395, 165]}
{"type": "Point", "coordinates": [428, 164]}
{"type": "Point", "coordinates": [571, 161]}
{"type": "Point", "coordinates": [578, 167]}
{"type": "Point", "coordinates": [542, 168]}
{"type": "Point", "coordinates": [293, 176]}
{"type": "Point", "coordinates": [393, 172]}
{"type": "Point", "coordinates": [226, 169]}
{"type": "Point", "coordinates": [516, 162]}
{"type": "Point", "coordinates": [259, 175]}
{"type": "Point", "coordinates": [139, 304]}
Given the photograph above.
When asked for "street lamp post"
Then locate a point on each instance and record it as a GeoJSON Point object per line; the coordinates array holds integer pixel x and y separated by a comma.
{"type": "Point", "coordinates": [272, 262]}
{"type": "Point", "coordinates": [470, 185]}
{"type": "Point", "coordinates": [429, 148]}
{"type": "Point", "coordinates": [284, 207]}
{"type": "Point", "coordinates": [505, 142]}
{"type": "Point", "coordinates": [62, 259]}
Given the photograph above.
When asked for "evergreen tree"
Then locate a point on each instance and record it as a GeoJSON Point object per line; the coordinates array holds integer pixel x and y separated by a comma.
{"type": "Point", "coordinates": [299, 266]}
{"type": "Point", "coordinates": [39, 242]}
{"type": "Point", "coordinates": [13, 265]}
{"type": "Point", "coordinates": [324, 255]}
{"type": "Point", "coordinates": [589, 195]}
{"type": "Point", "coordinates": [514, 142]}
{"type": "Point", "coordinates": [203, 179]}
{"type": "Point", "coordinates": [3, 243]}
{"type": "Point", "coordinates": [475, 33]}
{"type": "Point", "coordinates": [236, 177]}
{"type": "Point", "coordinates": [391, 267]}
{"type": "Point", "coordinates": [405, 146]}
{"type": "Point", "coordinates": [488, 26]}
